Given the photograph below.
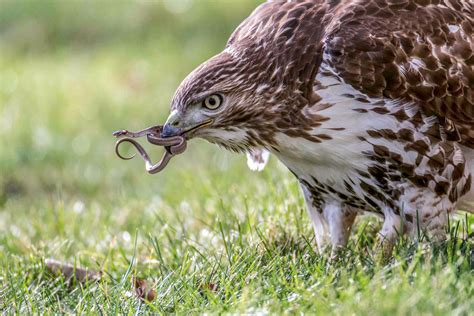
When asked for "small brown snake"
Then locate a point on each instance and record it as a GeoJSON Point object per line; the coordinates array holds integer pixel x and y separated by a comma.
{"type": "Point", "coordinates": [174, 145]}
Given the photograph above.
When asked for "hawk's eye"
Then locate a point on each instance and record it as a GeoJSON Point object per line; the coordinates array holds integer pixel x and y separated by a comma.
{"type": "Point", "coordinates": [213, 101]}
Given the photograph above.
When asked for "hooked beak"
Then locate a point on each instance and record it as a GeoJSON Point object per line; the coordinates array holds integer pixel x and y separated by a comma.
{"type": "Point", "coordinates": [171, 127]}
{"type": "Point", "coordinates": [175, 127]}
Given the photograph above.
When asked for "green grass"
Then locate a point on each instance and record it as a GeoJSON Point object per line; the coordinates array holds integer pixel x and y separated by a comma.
{"type": "Point", "coordinates": [72, 72]}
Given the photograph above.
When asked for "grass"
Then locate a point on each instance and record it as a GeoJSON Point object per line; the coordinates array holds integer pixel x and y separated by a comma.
{"type": "Point", "coordinates": [208, 233]}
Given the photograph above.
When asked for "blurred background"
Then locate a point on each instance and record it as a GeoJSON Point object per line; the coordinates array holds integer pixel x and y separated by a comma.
{"type": "Point", "coordinates": [71, 73]}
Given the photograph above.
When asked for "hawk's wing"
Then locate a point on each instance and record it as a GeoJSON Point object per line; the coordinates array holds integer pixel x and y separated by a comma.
{"type": "Point", "coordinates": [289, 34]}
{"type": "Point", "coordinates": [415, 50]}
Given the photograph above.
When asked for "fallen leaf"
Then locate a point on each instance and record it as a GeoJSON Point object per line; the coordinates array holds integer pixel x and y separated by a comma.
{"type": "Point", "coordinates": [142, 290]}
{"type": "Point", "coordinates": [70, 272]}
{"type": "Point", "coordinates": [211, 287]}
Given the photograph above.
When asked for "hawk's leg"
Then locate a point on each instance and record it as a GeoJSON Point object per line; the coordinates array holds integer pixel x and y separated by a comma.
{"type": "Point", "coordinates": [340, 220]}
{"type": "Point", "coordinates": [422, 219]}
{"type": "Point", "coordinates": [317, 219]}
{"type": "Point", "coordinates": [332, 223]}
{"type": "Point", "coordinates": [391, 230]}
{"type": "Point", "coordinates": [392, 226]}
{"type": "Point", "coordinates": [434, 225]}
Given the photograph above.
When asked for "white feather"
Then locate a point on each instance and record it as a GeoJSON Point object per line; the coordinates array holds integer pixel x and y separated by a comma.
{"type": "Point", "coordinates": [257, 159]}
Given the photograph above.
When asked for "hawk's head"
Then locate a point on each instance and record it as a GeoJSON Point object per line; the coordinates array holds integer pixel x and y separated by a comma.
{"type": "Point", "coordinates": [224, 101]}
{"type": "Point", "coordinates": [258, 85]}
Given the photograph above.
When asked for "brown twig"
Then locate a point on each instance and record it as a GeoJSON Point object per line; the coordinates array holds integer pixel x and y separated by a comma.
{"type": "Point", "coordinates": [71, 273]}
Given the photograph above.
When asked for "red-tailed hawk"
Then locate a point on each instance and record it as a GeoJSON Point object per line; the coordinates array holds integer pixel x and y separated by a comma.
{"type": "Point", "coordinates": [369, 103]}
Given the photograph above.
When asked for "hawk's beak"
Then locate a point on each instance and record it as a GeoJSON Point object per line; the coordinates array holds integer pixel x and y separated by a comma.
{"type": "Point", "coordinates": [171, 127]}
{"type": "Point", "coordinates": [175, 127]}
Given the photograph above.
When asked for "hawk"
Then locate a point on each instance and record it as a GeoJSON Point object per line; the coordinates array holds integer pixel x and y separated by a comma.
{"type": "Point", "coordinates": [369, 103]}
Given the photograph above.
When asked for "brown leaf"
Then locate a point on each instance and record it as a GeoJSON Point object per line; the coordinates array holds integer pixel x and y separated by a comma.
{"type": "Point", "coordinates": [211, 287]}
{"type": "Point", "coordinates": [142, 290]}
{"type": "Point", "coordinates": [71, 273]}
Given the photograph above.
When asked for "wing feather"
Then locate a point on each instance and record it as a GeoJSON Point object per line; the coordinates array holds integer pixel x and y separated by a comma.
{"type": "Point", "coordinates": [420, 51]}
{"type": "Point", "coordinates": [417, 51]}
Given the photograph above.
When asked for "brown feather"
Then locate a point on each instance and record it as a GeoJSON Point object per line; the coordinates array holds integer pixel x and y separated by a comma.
{"type": "Point", "coordinates": [418, 57]}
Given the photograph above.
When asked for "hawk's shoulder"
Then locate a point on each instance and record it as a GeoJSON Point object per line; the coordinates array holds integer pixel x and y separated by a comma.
{"type": "Point", "coordinates": [420, 51]}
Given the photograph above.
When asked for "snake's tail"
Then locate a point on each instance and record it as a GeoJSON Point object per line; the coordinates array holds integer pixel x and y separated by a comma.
{"type": "Point", "coordinates": [135, 144]}
{"type": "Point", "coordinates": [117, 149]}
{"type": "Point", "coordinates": [150, 167]}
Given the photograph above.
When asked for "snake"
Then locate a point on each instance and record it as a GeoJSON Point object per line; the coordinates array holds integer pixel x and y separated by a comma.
{"type": "Point", "coordinates": [174, 145]}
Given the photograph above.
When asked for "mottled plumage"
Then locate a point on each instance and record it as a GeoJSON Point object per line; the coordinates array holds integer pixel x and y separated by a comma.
{"type": "Point", "coordinates": [369, 103]}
